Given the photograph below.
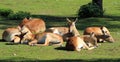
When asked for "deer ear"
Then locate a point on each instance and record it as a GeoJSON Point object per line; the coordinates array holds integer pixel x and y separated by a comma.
{"type": "Point", "coordinates": [101, 27]}
{"type": "Point", "coordinates": [68, 19]}
{"type": "Point", "coordinates": [92, 34]}
{"type": "Point", "coordinates": [25, 18]}
{"type": "Point", "coordinates": [105, 32]}
{"type": "Point", "coordinates": [76, 20]}
{"type": "Point", "coordinates": [30, 18]}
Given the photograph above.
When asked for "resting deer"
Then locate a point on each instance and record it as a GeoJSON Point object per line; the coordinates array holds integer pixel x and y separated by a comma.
{"type": "Point", "coordinates": [11, 35]}
{"type": "Point", "coordinates": [58, 30]}
{"type": "Point", "coordinates": [44, 39]}
{"type": "Point", "coordinates": [75, 42]}
{"type": "Point", "coordinates": [101, 33]}
{"type": "Point", "coordinates": [90, 40]}
{"type": "Point", "coordinates": [35, 25]}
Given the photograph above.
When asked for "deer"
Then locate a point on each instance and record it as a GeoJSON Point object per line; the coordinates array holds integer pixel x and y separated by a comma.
{"type": "Point", "coordinates": [41, 39]}
{"type": "Point", "coordinates": [35, 25]}
{"type": "Point", "coordinates": [101, 33]}
{"type": "Point", "coordinates": [90, 40]}
{"type": "Point", "coordinates": [11, 34]}
{"type": "Point", "coordinates": [75, 42]}
{"type": "Point", "coordinates": [58, 30]}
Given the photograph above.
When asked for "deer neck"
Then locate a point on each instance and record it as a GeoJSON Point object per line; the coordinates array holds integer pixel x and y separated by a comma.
{"type": "Point", "coordinates": [31, 36]}
{"type": "Point", "coordinates": [29, 32]}
{"type": "Point", "coordinates": [75, 31]}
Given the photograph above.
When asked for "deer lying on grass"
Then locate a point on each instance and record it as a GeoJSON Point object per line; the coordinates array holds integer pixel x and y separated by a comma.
{"type": "Point", "coordinates": [45, 38]}
{"type": "Point", "coordinates": [90, 40]}
{"type": "Point", "coordinates": [11, 35]}
{"type": "Point", "coordinates": [58, 30]}
{"type": "Point", "coordinates": [35, 25]}
{"type": "Point", "coordinates": [101, 33]}
{"type": "Point", "coordinates": [75, 42]}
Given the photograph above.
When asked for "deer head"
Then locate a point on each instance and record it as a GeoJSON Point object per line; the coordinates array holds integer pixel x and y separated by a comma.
{"type": "Point", "coordinates": [72, 27]}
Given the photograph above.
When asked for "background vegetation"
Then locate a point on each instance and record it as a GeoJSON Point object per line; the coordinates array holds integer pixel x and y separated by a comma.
{"type": "Point", "coordinates": [54, 12]}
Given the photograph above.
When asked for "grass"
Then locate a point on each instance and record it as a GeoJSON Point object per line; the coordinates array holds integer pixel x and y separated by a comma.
{"type": "Point", "coordinates": [44, 7]}
{"type": "Point", "coordinates": [54, 12]}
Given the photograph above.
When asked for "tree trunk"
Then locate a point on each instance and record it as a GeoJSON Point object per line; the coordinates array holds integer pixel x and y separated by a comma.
{"type": "Point", "coordinates": [99, 3]}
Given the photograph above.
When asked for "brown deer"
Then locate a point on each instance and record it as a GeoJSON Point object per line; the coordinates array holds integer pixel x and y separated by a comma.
{"type": "Point", "coordinates": [101, 33]}
{"type": "Point", "coordinates": [35, 25]}
{"type": "Point", "coordinates": [45, 38]}
{"type": "Point", "coordinates": [90, 40]}
{"type": "Point", "coordinates": [58, 30]}
{"type": "Point", "coordinates": [11, 35]}
{"type": "Point", "coordinates": [75, 42]}
{"type": "Point", "coordinates": [63, 31]}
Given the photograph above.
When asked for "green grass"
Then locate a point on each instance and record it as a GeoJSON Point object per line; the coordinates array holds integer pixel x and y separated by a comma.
{"type": "Point", "coordinates": [44, 7]}
{"type": "Point", "coordinates": [54, 12]}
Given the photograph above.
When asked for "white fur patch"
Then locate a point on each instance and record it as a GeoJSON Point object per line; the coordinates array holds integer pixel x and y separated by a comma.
{"type": "Point", "coordinates": [80, 43]}
{"type": "Point", "coordinates": [10, 37]}
{"type": "Point", "coordinates": [80, 46]}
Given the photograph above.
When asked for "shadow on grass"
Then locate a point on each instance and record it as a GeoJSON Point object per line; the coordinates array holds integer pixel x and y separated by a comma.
{"type": "Point", "coordinates": [115, 18]}
{"type": "Point", "coordinates": [54, 20]}
{"type": "Point", "coordinates": [81, 24]}
{"type": "Point", "coordinates": [8, 23]}
{"type": "Point", "coordinates": [22, 59]}
{"type": "Point", "coordinates": [2, 40]}
{"type": "Point", "coordinates": [60, 48]}
{"type": "Point", "coordinates": [11, 43]}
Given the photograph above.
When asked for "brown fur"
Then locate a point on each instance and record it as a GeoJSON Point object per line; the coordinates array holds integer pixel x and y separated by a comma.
{"type": "Point", "coordinates": [72, 30]}
{"type": "Point", "coordinates": [61, 30]}
{"type": "Point", "coordinates": [100, 33]}
{"type": "Point", "coordinates": [51, 38]}
{"type": "Point", "coordinates": [76, 43]}
{"type": "Point", "coordinates": [45, 38]}
{"type": "Point", "coordinates": [72, 27]}
{"type": "Point", "coordinates": [23, 22]}
{"type": "Point", "coordinates": [90, 40]}
{"type": "Point", "coordinates": [35, 25]}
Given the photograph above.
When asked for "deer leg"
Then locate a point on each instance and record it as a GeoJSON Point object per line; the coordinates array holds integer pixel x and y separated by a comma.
{"type": "Point", "coordinates": [60, 43]}
{"type": "Point", "coordinates": [32, 43]}
{"type": "Point", "coordinates": [46, 42]}
{"type": "Point", "coordinates": [22, 41]}
{"type": "Point", "coordinates": [96, 43]}
{"type": "Point", "coordinates": [35, 42]}
{"type": "Point", "coordinates": [88, 48]}
{"type": "Point", "coordinates": [16, 39]}
{"type": "Point", "coordinates": [77, 49]}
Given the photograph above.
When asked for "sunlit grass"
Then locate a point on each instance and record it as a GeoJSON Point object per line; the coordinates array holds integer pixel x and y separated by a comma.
{"type": "Point", "coordinates": [54, 12]}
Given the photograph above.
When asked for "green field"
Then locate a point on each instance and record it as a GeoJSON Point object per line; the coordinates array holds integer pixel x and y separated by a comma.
{"type": "Point", "coordinates": [54, 12]}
